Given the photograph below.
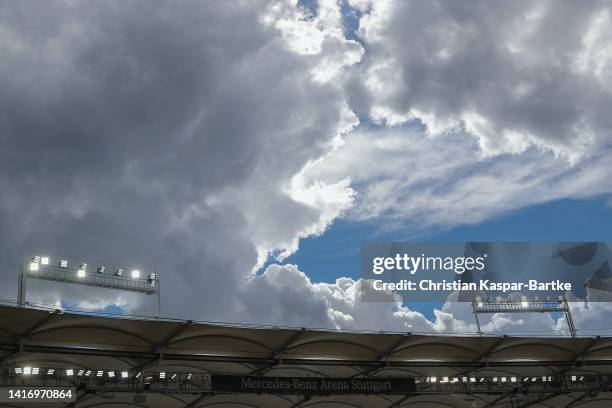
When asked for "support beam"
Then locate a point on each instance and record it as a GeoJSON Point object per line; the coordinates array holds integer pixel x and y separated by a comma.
{"type": "Point", "coordinates": [23, 336]}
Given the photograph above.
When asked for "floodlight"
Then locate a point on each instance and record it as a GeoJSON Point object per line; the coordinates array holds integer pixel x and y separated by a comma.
{"type": "Point", "coordinates": [36, 259]}
{"type": "Point", "coordinates": [173, 376]}
{"type": "Point", "coordinates": [135, 274]}
{"type": "Point", "coordinates": [33, 266]}
{"type": "Point", "coordinates": [124, 374]}
{"type": "Point", "coordinates": [70, 372]}
{"type": "Point", "coordinates": [479, 304]}
{"type": "Point", "coordinates": [472, 379]}
{"type": "Point", "coordinates": [119, 272]}
{"type": "Point", "coordinates": [162, 375]}
{"type": "Point", "coordinates": [152, 279]}
{"type": "Point", "coordinates": [100, 373]}
{"type": "Point", "coordinates": [101, 269]}
{"type": "Point", "coordinates": [63, 263]}
{"type": "Point", "coordinates": [44, 260]}
{"type": "Point", "coordinates": [189, 376]}
{"type": "Point", "coordinates": [87, 373]}
{"type": "Point", "coordinates": [35, 370]}
{"type": "Point", "coordinates": [27, 370]}
{"type": "Point", "coordinates": [81, 273]}
{"type": "Point", "coordinates": [18, 370]}
{"type": "Point", "coordinates": [560, 298]}
{"type": "Point", "coordinates": [543, 378]}
{"type": "Point", "coordinates": [444, 379]}
{"type": "Point", "coordinates": [111, 374]}
{"type": "Point", "coordinates": [513, 379]}
{"type": "Point", "coordinates": [433, 379]}
{"type": "Point", "coordinates": [138, 374]}
{"type": "Point", "coordinates": [524, 302]}
{"type": "Point", "coordinates": [80, 372]}
{"type": "Point", "coordinates": [503, 379]}
{"type": "Point", "coordinates": [494, 379]}
{"type": "Point", "coordinates": [83, 266]}
{"type": "Point", "coordinates": [50, 371]}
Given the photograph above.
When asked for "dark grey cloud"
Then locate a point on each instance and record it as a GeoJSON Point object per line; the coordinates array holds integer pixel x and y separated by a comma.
{"type": "Point", "coordinates": [156, 134]}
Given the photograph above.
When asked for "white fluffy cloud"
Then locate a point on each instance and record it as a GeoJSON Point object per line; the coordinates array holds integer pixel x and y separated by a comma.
{"type": "Point", "coordinates": [513, 75]}
{"type": "Point", "coordinates": [408, 178]}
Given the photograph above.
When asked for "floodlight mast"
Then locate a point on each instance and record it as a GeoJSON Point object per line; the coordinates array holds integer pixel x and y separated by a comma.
{"type": "Point", "coordinates": [499, 304]}
{"type": "Point", "coordinates": [67, 270]}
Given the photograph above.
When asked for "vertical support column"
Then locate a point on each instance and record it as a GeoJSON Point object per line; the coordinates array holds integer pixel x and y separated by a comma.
{"type": "Point", "coordinates": [21, 288]}
{"type": "Point", "coordinates": [568, 317]}
{"type": "Point", "coordinates": [476, 317]}
{"type": "Point", "coordinates": [158, 299]}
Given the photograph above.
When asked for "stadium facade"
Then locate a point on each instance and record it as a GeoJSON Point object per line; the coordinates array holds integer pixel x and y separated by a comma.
{"type": "Point", "coordinates": [138, 362]}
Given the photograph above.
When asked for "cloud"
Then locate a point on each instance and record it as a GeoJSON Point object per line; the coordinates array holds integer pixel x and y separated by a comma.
{"type": "Point", "coordinates": [410, 180]}
{"type": "Point", "coordinates": [200, 139]}
{"type": "Point", "coordinates": [168, 137]}
{"type": "Point", "coordinates": [512, 75]}
{"type": "Point", "coordinates": [293, 299]}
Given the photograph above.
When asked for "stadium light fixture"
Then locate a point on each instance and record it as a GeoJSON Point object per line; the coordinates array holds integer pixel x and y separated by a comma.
{"type": "Point", "coordinates": [152, 279]}
{"type": "Point", "coordinates": [82, 270]}
{"type": "Point", "coordinates": [50, 371]}
{"type": "Point", "coordinates": [74, 270]}
{"type": "Point", "coordinates": [80, 372]}
{"type": "Point", "coordinates": [173, 376]}
{"type": "Point", "coordinates": [100, 373]}
{"type": "Point", "coordinates": [189, 376]}
{"type": "Point", "coordinates": [70, 372]}
{"type": "Point", "coordinates": [501, 304]}
{"type": "Point", "coordinates": [124, 374]}
{"type": "Point", "coordinates": [138, 374]}
{"type": "Point", "coordinates": [18, 370]}
{"type": "Point", "coordinates": [35, 370]}
{"type": "Point", "coordinates": [162, 375]}
{"type": "Point", "coordinates": [27, 370]}
{"type": "Point", "coordinates": [87, 373]}
{"type": "Point", "coordinates": [111, 374]}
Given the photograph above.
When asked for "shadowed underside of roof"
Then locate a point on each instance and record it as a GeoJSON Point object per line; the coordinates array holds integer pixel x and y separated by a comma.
{"type": "Point", "coordinates": [53, 339]}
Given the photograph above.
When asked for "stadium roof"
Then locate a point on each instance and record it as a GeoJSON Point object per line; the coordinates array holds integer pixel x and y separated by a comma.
{"type": "Point", "coordinates": [50, 338]}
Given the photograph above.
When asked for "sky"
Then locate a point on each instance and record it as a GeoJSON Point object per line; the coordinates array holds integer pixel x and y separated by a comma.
{"type": "Point", "coordinates": [245, 150]}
